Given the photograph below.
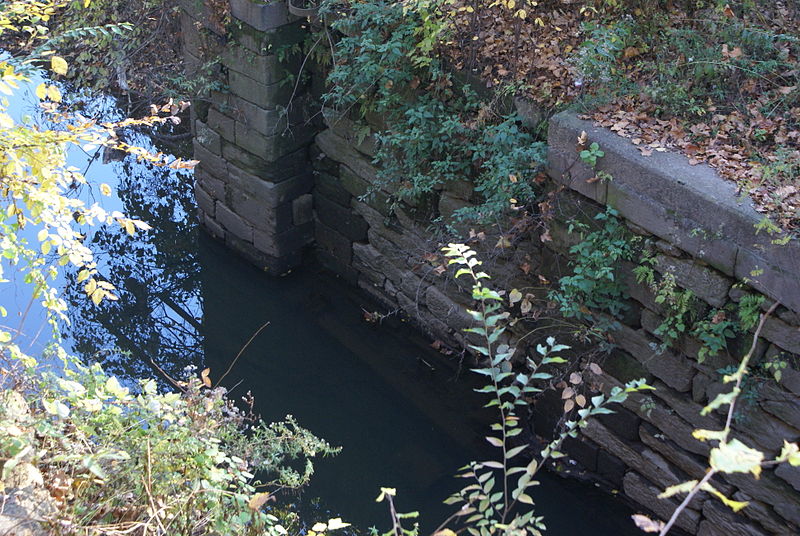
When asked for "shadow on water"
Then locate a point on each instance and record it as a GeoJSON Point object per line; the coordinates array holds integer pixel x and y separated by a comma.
{"type": "Point", "coordinates": [364, 387]}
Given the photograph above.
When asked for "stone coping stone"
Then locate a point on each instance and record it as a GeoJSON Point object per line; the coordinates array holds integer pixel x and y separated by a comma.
{"type": "Point", "coordinates": [262, 16]}
{"type": "Point", "coordinates": [689, 206]}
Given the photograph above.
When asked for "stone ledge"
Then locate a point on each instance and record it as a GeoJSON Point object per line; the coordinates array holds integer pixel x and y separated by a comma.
{"type": "Point", "coordinates": [689, 206]}
{"type": "Point", "coordinates": [262, 16]}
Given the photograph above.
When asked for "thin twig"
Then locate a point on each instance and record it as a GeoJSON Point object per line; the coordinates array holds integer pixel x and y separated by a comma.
{"type": "Point", "coordinates": [235, 359]}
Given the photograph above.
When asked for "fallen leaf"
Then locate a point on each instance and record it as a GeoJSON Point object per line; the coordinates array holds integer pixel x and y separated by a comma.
{"type": "Point", "coordinates": [204, 376]}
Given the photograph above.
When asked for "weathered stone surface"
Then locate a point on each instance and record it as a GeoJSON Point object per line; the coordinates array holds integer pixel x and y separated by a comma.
{"type": "Point", "coordinates": [209, 162]}
{"type": "Point", "coordinates": [339, 268]}
{"type": "Point", "coordinates": [765, 516]}
{"type": "Point", "coordinates": [789, 474]}
{"type": "Point", "coordinates": [207, 137]}
{"type": "Point", "coordinates": [23, 511]}
{"type": "Point", "coordinates": [721, 521]}
{"type": "Point", "coordinates": [446, 310]}
{"type": "Point", "coordinates": [706, 284]}
{"type": "Point", "coordinates": [233, 223]}
{"type": "Point", "coordinates": [222, 124]}
{"type": "Point", "coordinates": [764, 431]}
{"type": "Point", "coordinates": [783, 404]}
{"type": "Point", "coordinates": [329, 186]}
{"type": "Point", "coordinates": [338, 149]}
{"type": "Point", "coordinates": [782, 334]}
{"type": "Point", "coordinates": [211, 226]}
{"type": "Point", "coordinates": [647, 494]}
{"type": "Point", "coordinates": [622, 366]}
{"type": "Point", "coordinates": [643, 460]}
{"type": "Point", "coordinates": [264, 42]}
{"type": "Point", "coordinates": [361, 137]}
{"type": "Point", "coordinates": [249, 207]}
{"type": "Point", "coordinates": [449, 204]}
{"type": "Point", "coordinates": [262, 16]}
{"type": "Point", "coordinates": [280, 170]}
{"type": "Point", "coordinates": [531, 113]}
{"type": "Point", "coordinates": [694, 466]}
{"type": "Point", "coordinates": [264, 69]}
{"type": "Point", "coordinates": [347, 222]}
{"type": "Point", "coordinates": [582, 451]}
{"type": "Point", "coordinates": [303, 209]}
{"type": "Point", "coordinates": [336, 244]}
{"type": "Point", "coordinates": [770, 490]}
{"type": "Point", "coordinates": [268, 122]}
{"type": "Point", "coordinates": [269, 194]}
{"type": "Point", "coordinates": [285, 244]}
{"type": "Point", "coordinates": [204, 199]}
{"type": "Point", "coordinates": [272, 148]}
{"type": "Point", "coordinates": [261, 95]}
{"type": "Point", "coordinates": [623, 423]}
{"type": "Point", "coordinates": [674, 370]}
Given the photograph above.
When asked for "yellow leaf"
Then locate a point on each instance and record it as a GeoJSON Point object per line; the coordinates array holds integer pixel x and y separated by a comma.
{"type": "Point", "coordinates": [53, 94]}
{"type": "Point", "coordinates": [130, 228]}
{"type": "Point", "coordinates": [97, 296]}
{"type": "Point", "coordinates": [258, 500]}
{"type": "Point", "coordinates": [41, 91]}
{"type": "Point", "coordinates": [6, 121]}
{"type": "Point", "coordinates": [59, 65]}
{"type": "Point", "coordinates": [105, 189]}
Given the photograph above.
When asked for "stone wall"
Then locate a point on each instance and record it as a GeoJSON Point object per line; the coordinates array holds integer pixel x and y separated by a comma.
{"type": "Point", "coordinates": [703, 235]}
{"type": "Point", "coordinates": [270, 196]}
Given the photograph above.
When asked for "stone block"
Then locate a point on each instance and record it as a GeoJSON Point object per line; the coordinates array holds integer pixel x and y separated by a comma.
{"type": "Point", "coordinates": [222, 124]}
{"type": "Point", "coordinates": [233, 224]}
{"type": "Point", "coordinates": [269, 122]}
{"type": "Point", "coordinates": [771, 490]}
{"type": "Point", "coordinates": [204, 200]}
{"type": "Point", "coordinates": [264, 69]}
{"type": "Point", "coordinates": [303, 209]}
{"type": "Point", "coordinates": [265, 96]}
{"type": "Point", "coordinates": [209, 162]}
{"type": "Point", "coordinates": [267, 193]}
{"type": "Point", "coordinates": [213, 185]}
{"type": "Point", "coordinates": [721, 521]}
{"type": "Point", "coordinates": [207, 137]}
{"type": "Point", "coordinates": [262, 16]}
{"type": "Point", "coordinates": [789, 474]}
{"type": "Point", "coordinates": [446, 310]}
{"type": "Point", "coordinates": [622, 366]}
{"type": "Point", "coordinates": [623, 423]}
{"type": "Point", "coordinates": [272, 148]}
{"type": "Point", "coordinates": [694, 466]}
{"type": "Point", "coordinates": [340, 150]}
{"type": "Point", "coordinates": [643, 460]}
{"type": "Point", "coordinates": [335, 244]}
{"type": "Point", "coordinates": [782, 334]}
{"type": "Point", "coordinates": [360, 136]}
{"type": "Point", "coordinates": [280, 170]}
{"type": "Point", "coordinates": [706, 284]}
{"type": "Point", "coordinates": [211, 226]}
{"type": "Point", "coordinates": [676, 371]}
{"type": "Point", "coordinates": [330, 187]}
{"type": "Point", "coordinates": [531, 113]}
{"type": "Point", "coordinates": [284, 244]}
{"type": "Point", "coordinates": [764, 515]}
{"type": "Point", "coordinates": [449, 205]}
{"type": "Point", "coordinates": [266, 42]}
{"type": "Point", "coordinates": [342, 219]}
{"type": "Point", "coordinates": [265, 218]}
{"type": "Point", "coordinates": [646, 494]}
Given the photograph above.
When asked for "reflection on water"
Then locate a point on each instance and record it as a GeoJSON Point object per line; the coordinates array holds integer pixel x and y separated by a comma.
{"type": "Point", "coordinates": [380, 392]}
{"type": "Point", "coordinates": [157, 320]}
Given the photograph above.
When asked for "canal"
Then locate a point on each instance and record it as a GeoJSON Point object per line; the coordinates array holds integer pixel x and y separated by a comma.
{"type": "Point", "coordinates": [405, 415]}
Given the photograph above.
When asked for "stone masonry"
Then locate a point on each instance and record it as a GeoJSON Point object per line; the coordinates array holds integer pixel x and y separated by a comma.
{"type": "Point", "coordinates": [254, 179]}
{"type": "Point", "coordinates": [270, 185]}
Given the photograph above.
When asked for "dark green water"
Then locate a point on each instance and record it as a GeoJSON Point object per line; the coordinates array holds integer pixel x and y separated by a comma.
{"type": "Point", "coordinates": [393, 404]}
